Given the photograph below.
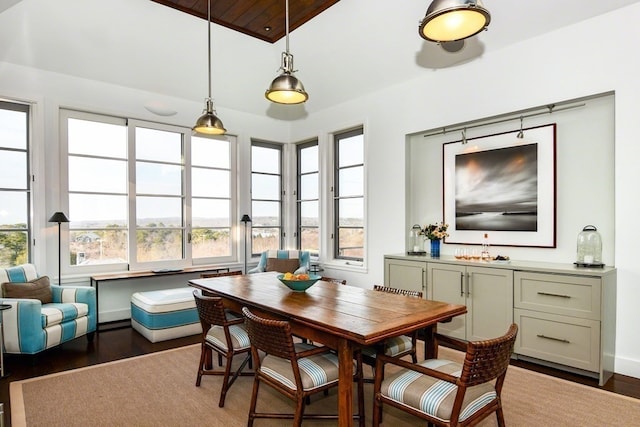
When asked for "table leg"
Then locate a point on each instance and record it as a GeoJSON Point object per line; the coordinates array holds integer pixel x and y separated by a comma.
{"type": "Point", "coordinates": [430, 344]}
{"type": "Point", "coordinates": [345, 383]}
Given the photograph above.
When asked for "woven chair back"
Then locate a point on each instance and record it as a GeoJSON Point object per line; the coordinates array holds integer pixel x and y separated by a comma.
{"type": "Point", "coordinates": [210, 310]}
{"type": "Point", "coordinates": [489, 359]}
{"type": "Point", "coordinates": [271, 336]}
{"type": "Point", "coordinates": [405, 292]}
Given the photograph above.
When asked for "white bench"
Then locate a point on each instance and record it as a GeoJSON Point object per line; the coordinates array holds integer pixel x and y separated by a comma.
{"type": "Point", "coordinates": [165, 315]}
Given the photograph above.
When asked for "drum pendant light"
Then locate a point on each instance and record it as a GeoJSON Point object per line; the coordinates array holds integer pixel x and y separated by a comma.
{"type": "Point", "coordinates": [209, 123]}
{"type": "Point", "coordinates": [450, 20]}
{"type": "Point", "coordinates": [286, 88]}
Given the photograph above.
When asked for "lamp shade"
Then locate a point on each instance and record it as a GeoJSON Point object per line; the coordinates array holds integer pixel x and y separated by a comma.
{"type": "Point", "coordinates": [209, 124]}
{"type": "Point", "coordinates": [450, 20]}
{"type": "Point", "coordinates": [59, 217]}
{"type": "Point", "coordinates": [286, 89]}
{"type": "Point", "coordinates": [245, 218]}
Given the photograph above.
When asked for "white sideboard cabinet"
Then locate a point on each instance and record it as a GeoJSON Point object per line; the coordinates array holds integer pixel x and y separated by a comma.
{"type": "Point", "coordinates": [566, 315]}
{"type": "Point", "coordinates": [487, 292]}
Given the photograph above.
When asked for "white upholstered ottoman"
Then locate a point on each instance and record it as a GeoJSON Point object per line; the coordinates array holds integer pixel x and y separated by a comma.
{"type": "Point", "coordinates": [165, 315]}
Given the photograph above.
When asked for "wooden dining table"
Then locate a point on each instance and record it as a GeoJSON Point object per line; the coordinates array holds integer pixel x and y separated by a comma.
{"type": "Point", "coordinates": [343, 318]}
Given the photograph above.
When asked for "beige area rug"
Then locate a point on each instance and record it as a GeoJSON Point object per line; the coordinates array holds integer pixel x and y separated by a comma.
{"type": "Point", "coordinates": [159, 390]}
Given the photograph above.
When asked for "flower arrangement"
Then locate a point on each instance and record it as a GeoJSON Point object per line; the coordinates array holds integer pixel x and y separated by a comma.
{"type": "Point", "coordinates": [437, 231]}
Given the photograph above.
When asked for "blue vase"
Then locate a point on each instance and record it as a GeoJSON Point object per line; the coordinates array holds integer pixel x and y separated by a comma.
{"type": "Point", "coordinates": [435, 249]}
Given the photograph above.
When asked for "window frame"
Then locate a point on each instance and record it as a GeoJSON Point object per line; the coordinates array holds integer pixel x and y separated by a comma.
{"type": "Point", "coordinates": [298, 198]}
{"type": "Point", "coordinates": [280, 226]}
{"type": "Point", "coordinates": [28, 189]}
{"type": "Point", "coordinates": [131, 228]}
{"type": "Point", "coordinates": [337, 138]}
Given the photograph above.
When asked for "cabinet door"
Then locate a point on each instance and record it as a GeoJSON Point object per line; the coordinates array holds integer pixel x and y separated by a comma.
{"type": "Point", "coordinates": [489, 302]}
{"type": "Point", "coordinates": [405, 274]}
{"type": "Point", "coordinates": [447, 283]}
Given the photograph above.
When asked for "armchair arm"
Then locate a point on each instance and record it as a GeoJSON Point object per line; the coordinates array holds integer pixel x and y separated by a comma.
{"type": "Point", "coordinates": [22, 326]}
{"type": "Point", "coordinates": [381, 360]}
{"type": "Point", "coordinates": [79, 294]}
{"type": "Point", "coordinates": [454, 343]}
{"type": "Point", "coordinates": [262, 264]}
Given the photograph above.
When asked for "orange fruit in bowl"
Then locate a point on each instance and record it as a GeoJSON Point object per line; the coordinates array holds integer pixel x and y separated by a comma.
{"type": "Point", "coordinates": [302, 276]}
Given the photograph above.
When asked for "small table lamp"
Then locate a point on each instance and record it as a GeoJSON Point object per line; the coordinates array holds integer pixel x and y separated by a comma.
{"type": "Point", "coordinates": [245, 218]}
{"type": "Point", "coordinates": [59, 217]}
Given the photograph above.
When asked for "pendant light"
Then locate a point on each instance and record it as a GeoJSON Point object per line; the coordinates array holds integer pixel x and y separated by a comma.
{"type": "Point", "coordinates": [286, 88]}
{"type": "Point", "coordinates": [450, 20]}
{"type": "Point", "coordinates": [209, 123]}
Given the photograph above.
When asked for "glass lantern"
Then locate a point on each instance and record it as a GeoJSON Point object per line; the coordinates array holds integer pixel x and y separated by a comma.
{"type": "Point", "coordinates": [416, 241]}
{"type": "Point", "coordinates": [589, 248]}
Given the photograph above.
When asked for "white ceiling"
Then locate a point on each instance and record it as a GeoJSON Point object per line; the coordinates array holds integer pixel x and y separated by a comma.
{"type": "Point", "coordinates": [354, 47]}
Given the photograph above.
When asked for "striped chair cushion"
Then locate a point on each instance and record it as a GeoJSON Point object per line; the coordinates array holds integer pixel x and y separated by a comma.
{"type": "Point", "coordinates": [433, 396]}
{"type": "Point", "coordinates": [239, 337]}
{"type": "Point", "coordinates": [57, 313]}
{"type": "Point", "coordinates": [315, 371]}
{"type": "Point", "coordinates": [392, 346]}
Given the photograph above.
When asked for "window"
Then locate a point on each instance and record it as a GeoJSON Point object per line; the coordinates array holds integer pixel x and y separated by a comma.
{"type": "Point", "coordinates": [15, 185]}
{"type": "Point", "coordinates": [307, 200]}
{"type": "Point", "coordinates": [143, 193]}
{"type": "Point", "coordinates": [349, 195]}
{"type": "Point", "coordinates": [266, 196]}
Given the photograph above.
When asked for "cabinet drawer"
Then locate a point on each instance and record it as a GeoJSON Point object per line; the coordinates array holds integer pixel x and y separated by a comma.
{"type": "Point", "coordinates": [569, 341]}
{"type": "Point", "coordinates": [558, 294]}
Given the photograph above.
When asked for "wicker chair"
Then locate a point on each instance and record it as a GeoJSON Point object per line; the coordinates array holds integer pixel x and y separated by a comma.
{"type": "Point", "coordinates": [225, 334]}
{"type": "Point", "coordinates": [399, 346]}
{"type": "Point", "coordinates": [446, 393]}
{"type": "Point", "coordinates": [332, 280]}
{"type": "Point", "coordinates": [296, 370]}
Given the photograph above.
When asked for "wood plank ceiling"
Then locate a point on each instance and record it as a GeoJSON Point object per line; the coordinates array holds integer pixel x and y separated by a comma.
{"type": "Point", "coordinates": [263, 19]}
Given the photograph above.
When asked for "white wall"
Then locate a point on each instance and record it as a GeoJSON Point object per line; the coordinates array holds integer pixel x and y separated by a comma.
{"type": "Point", "coordinates": [584, 177]}
{"type": "Point", "coordinates": [574, 62]}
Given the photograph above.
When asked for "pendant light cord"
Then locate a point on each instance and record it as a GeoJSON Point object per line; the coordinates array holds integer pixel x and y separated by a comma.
{"type": "Point", "coordinates": [287, 25]}
{"type": "Point", "coordinates": [209, 41]}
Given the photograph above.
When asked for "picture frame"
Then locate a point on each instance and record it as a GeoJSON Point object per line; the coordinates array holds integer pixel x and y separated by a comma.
{"type": "Point", "coordinates": [502, 185]}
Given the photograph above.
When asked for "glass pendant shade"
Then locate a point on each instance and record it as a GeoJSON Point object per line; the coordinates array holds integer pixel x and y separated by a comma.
{"type": "Point", "coordinates": [450, 20]}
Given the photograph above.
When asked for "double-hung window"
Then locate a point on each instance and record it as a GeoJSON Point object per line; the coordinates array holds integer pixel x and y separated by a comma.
{"type": "Point", "coordinates": [146, 194]}
{"type": "Point", "coordinates": [307, 199]}
{"type": "Point", "coordinates": [15, 185]}
{"type": "Point", "coordinates": [266, 196]}
{"type": "Point", "coordinates": [348, 193]}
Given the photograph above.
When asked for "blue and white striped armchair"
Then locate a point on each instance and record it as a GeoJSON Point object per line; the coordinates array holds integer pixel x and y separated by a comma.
{"type": "Point", "coordinates": [30, 326]}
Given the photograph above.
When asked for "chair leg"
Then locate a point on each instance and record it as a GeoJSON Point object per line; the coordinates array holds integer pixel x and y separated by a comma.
{"type": "Point", "coordinates": [254, 400]}
{"type": "Point", "coordinates": [225, 380]}
{"type": "Point", "coordinates": [500, 417]}
{"type": "Point", "coordinates": [297, 417]}
{"type": "Point", "coordinates": [203, 351]}
{"type": "Point", "coordinates": [377, 412]}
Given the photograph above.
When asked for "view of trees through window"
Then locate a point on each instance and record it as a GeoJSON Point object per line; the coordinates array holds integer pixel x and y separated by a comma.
{"type": "Point", "coordinates": [177, 207]}
{"type": "Point", "coordinates": [15, 190]}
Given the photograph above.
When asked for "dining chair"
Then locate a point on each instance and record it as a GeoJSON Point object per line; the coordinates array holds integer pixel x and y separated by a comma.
{"type": "Point", "coordinates": [211, 294]}
{"type": "Point", "coordinates": [332, 280]}
{"type": "Point", "coordinates": [225, 334]}
{"type": "Point", "coordinates": [447, 393]}
{"type": "Point", "coordinates": [399, 346]}
{"type": "Point", "coordinates": [296, 370]}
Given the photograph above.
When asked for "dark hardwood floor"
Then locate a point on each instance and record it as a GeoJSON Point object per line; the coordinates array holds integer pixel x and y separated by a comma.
{"type": "Point", "coordinates": [122, 343]}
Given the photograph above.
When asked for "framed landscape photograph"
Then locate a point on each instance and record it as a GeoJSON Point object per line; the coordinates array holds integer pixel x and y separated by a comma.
{"type": "Point", "coordinates": [504, 186]}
